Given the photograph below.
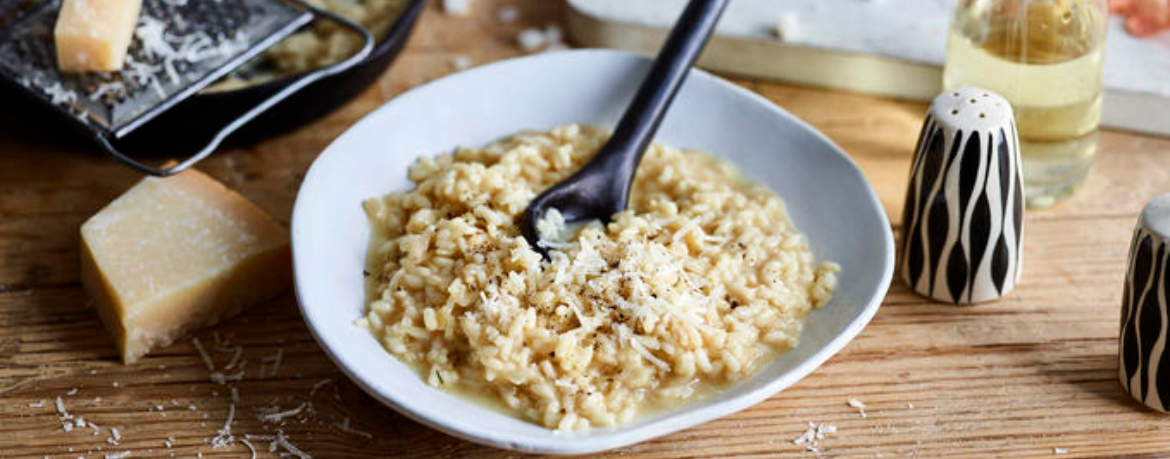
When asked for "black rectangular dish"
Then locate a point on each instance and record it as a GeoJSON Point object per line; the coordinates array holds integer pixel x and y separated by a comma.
{"type": "Point", "coordinates": [190, 124]}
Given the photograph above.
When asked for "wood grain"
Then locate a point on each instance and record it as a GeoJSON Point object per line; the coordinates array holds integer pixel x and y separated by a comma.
{"type": "Point", "coordinates": [1014, 378]}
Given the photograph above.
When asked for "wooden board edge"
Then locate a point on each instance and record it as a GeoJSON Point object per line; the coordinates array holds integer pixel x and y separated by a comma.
{"type": "Point", "coordinates": [832, 69]}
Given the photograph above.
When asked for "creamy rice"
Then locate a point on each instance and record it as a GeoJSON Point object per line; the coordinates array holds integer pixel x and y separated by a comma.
{"type": "Point", "coordinates": [698, 284]}
{"type": "Point", "coordinates": [328, 43]}
{"type": "Point", "coordinates": [322, 44]}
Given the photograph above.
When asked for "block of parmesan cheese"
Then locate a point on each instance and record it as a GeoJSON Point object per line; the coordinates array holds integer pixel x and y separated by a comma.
{"type": "Point", "coordinates": [93, 35]}
{"type": "Point", "coordinates": [179, 253]}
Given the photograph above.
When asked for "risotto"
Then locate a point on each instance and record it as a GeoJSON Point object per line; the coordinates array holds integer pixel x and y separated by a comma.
{"type": "Point", "coordinates": [320, 45]}
{"type": "Point", "coordinates": [698, 284]}
{"type": "Point", "coordinates": [328, 43]}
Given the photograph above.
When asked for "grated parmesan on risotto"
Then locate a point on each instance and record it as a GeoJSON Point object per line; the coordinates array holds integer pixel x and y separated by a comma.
{"type": "Point", "coordinates": [701, 282]}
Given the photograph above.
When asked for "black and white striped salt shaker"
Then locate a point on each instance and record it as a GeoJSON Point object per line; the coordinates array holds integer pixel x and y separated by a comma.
{"type": "Point", "coordinates": [963, 218]}
{"type": "Point", "coordinates": [1144, 363]}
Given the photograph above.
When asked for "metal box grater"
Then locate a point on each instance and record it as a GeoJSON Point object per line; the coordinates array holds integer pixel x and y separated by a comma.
{"type": "Point", "coordinates": [179, 48]}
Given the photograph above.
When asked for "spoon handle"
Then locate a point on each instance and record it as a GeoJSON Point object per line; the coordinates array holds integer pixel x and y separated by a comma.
{"type": "Point", "coordinates": [601, 188]}
{"type": "Point", "coordinates": [641, 119]}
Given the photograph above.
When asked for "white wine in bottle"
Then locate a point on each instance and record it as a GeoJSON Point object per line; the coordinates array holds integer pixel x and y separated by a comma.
{"type": "Point", "coordinates": [1045, 57]}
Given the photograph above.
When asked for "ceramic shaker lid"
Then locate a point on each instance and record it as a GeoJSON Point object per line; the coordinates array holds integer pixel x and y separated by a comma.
{"type": "Point", "coordinates": [1156, 216]}
{"type": "Point", "coordinates": [972, 109]}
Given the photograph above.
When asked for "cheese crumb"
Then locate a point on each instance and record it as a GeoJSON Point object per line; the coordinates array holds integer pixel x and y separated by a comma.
{"type": "Point", "coordinates": [203, 354]}
{"type": "Point", "coordinates": [531, 40]}
{"type": "Point", "coordinates": [274, 415]}
{"type": "Point", "coordinates": [788, 26]}
{"type": "Point", "coordinates": [345, 427]}
{"type": "Point", "coordinates": [283, 442]}
{"type": "Point", "coordinates": [280, 441]}
{"type": "Point", "coordinates": [812, 436]}
{"type": "Point", "coordinates": [251, 449]}
{"type": "Point", "coordinates": [553, 34]}
{"type": "Point", "coordinates": [853, 402]}
{"type": "Point", "coordinates": [239, 351]}
{"type": "Point", "coordinates": [549, 39]}
{"type": "Point", "coordinates": [460, 62]}
{"type": "Point", "coordinates": [274, 360]}
{"type": "Point", "coordinates": [507, 14]}
{"type": "Point", "coordinates": [118, 455]}
{"type": "Point", "coordinates": [1059, 451]}
{"type": "Point", "coordinates": [72, 391]}
{"type": "Point", "coordinates": [61, 412]}
{"type": "Point", "coordinates": [318, 386]}
{"type": "Point", "coordinates": [36, 404]}
{"type": "Point", "coordinates": [222, 379]}
{"type": "Point", "coordinates": [224, 435]}
{"type": "Point", "coordinates": [457, 7]}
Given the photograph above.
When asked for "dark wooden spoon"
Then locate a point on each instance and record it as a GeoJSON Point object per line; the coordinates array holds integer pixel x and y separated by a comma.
{"type": "Point", "coordinates": [602, 187]}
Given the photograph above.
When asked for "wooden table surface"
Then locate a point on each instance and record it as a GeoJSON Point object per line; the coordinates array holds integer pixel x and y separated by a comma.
{"type": "Point", "coordinates": [1016, 378]}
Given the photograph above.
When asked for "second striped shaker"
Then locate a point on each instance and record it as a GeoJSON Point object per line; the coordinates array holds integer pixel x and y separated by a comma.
{"type": "Point", "coordinates": [963, 219]}
{"type": "Point", "coordinates": [1143, 360]}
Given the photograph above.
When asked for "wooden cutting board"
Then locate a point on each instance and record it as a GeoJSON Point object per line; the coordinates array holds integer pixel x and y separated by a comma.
{"type": "Point", "coordinates": [886, 47]}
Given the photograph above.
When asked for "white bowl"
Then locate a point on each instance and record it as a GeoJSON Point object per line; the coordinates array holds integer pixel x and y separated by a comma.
{"type": "Point", "coordinates": [827, 196]}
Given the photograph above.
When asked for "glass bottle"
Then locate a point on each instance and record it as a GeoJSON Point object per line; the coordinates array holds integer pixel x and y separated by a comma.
{"type": "Point", "coordinates": [1045, 57]}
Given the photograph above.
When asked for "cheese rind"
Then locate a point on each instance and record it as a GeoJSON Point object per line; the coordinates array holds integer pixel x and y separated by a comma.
{"type": "Point", "coordinates": [94, 35]}
{"type": "Point", "coordinates": [179, 253]}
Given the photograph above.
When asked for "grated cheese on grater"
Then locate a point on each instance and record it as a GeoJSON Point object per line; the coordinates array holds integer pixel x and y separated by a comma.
{"type": "Point", "coordinates": [192, 47]}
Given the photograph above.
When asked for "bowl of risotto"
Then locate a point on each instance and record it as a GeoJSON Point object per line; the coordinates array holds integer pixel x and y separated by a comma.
{"type": "Point", "coordinates": [753, 249]}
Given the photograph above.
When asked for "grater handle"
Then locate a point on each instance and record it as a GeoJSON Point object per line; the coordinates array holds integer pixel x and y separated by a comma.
{"type": "Point", "coordinates": [294, 87]}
